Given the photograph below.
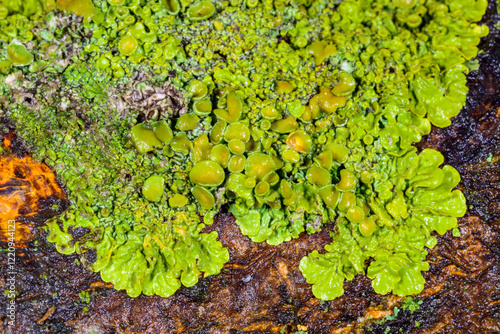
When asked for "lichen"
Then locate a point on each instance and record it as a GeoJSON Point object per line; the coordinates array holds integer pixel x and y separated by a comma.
{"type": "Point", "coordinates": [294, 113]}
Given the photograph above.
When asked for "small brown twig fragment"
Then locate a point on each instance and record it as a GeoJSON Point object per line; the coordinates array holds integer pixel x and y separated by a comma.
{"type": "Point", "coordinates": [46, 315]}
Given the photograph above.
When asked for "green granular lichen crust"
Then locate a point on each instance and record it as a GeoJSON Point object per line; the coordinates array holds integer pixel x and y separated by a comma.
{"type": "Point", "coordinates": [294, 114]}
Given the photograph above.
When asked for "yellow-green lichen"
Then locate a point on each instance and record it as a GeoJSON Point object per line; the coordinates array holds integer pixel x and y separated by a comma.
{"type": "Point", "coordinates": [295, 113]}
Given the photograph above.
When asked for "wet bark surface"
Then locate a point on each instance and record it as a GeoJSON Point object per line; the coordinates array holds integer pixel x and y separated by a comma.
{"type": "Point", "coordinates": [261, 289]}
